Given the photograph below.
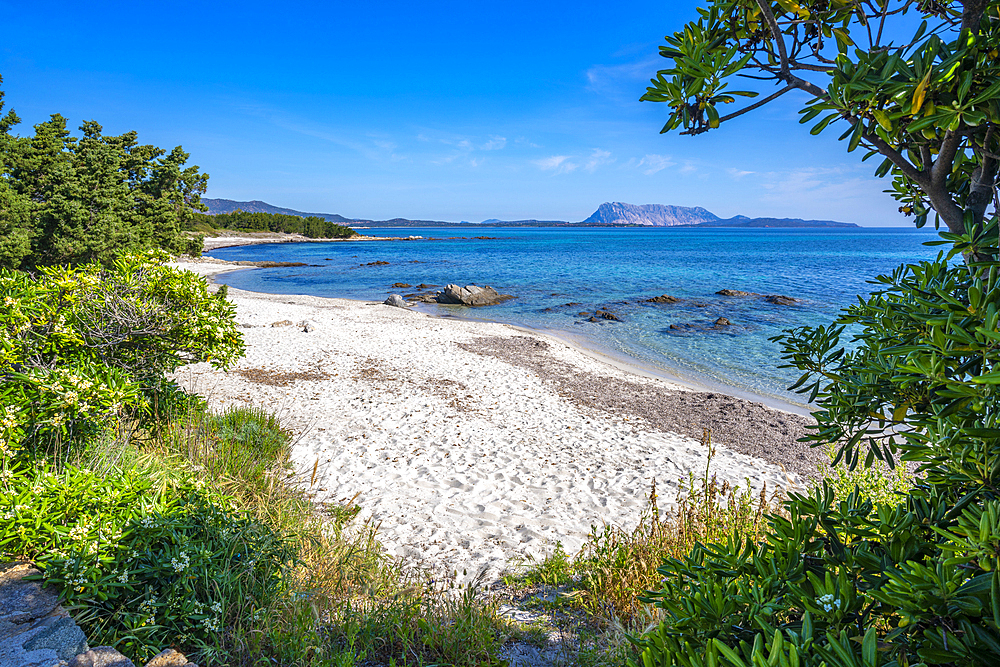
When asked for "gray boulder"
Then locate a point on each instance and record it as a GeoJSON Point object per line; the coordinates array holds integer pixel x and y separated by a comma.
{"type": "Point", "coordinates": [471, 295]}
{"type": "Point", "coordinates": [395, 300]}
{"type": "Point", "coordinates": [101, 656]}
{"type": "Point", "coordinates": [308, 326]}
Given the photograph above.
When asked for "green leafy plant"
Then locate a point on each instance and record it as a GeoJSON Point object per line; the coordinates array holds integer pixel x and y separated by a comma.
{"type": "Point", "coordinates": [927, 101]}
{"type": "Point", "coordinates": [82, 347]}
{"type": "Point", "coordinates": [142, 566]}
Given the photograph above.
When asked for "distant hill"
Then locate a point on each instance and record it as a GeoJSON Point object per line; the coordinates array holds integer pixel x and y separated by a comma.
{"type": "Point", "coordinates": [661, 215]}
{"type": "Point", "coordinates": [658, 215]}
{"type": "Point", "coordinates": [742, 221]}
{"type": "Point", "coordinates": [608, 214]}
{"type": "Point", "coordinates": [217, 206]}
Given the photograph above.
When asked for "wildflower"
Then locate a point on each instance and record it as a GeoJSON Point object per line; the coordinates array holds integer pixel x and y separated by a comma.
{"type": "Point", "coordinates": [79, 531]}
{"type": "Point", "coordinates": [828, 602]}
{"type": "Point", "coordinates": [123, 578]}
{"type": "Point", "coordinates": [180, 562]}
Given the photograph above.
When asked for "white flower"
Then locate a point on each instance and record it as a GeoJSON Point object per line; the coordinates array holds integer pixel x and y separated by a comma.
{"type": "Point", "coordinates": [180, 562]}
{"type": "Point", "coordinates": [828, 602]}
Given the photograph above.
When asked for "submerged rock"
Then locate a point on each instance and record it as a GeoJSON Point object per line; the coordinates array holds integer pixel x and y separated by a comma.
{"type": "Point", "coordinates": [722, 322]}
{"type": "Point", "coordinates": [471, 295]}
{"type": "Point", "coordinates": [401, 285]}
{"type": "Point", "coordinates": [781, 300]}
{"type": "Point", "coordinates": [663, 298]}
{"type": "Point", "coordinates": [735, 292]}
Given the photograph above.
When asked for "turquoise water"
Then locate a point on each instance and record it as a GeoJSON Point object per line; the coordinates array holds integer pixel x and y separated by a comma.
{"type": "Point", "coordinates": [616, 269]}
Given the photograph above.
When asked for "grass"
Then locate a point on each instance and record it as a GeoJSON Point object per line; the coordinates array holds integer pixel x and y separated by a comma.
{"type": "Point", "coordinates": [345, 601]}
{"type": "Point", "coordinates": [591, 597]}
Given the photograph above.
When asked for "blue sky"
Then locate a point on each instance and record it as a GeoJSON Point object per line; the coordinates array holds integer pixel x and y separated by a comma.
{"type": "Point", "coordinates": [445, 111]}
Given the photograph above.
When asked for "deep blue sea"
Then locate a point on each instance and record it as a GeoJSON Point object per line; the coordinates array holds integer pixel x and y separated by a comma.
{"type": "Point", "coordinates": [616, 269]}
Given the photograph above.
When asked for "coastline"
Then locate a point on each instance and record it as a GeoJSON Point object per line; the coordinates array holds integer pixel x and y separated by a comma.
{"type": "Point", "coordinates": [473, 442]}
{"type": "Point", "coordinates": [230, 239]}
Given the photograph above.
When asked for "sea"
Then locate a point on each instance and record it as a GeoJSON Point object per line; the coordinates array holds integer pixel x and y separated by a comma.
{"type": "Point", "coordinates": [561, 276]}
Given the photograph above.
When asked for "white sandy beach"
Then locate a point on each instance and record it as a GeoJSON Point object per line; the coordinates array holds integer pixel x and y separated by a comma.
{"type": "Point", "coordinates": [464, 460]}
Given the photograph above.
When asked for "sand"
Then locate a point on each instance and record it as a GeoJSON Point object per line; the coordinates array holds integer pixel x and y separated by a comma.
{"type": "Point", "coordinates": [474, 444]}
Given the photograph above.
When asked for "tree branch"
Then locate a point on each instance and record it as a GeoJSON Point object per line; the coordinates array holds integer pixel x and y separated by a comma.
{"type": "Point", "coordinates": [946, 157]}
{"type": "Point", "coordinates": [735, 114]}
{"type": "Point", "coordinates": [779, 38]}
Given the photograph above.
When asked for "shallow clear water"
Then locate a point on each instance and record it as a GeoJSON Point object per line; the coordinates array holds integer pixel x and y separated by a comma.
{"type": "Point", "coordinates": [616, 269]}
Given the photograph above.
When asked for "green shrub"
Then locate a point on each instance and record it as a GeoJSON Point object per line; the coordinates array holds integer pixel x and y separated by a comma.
{"type": "Point", "coordinates": [848, 580]}
{"type": "Point", "coordinates": [142, 566]}
{"type": "Point", "coordinates": [81, 347]}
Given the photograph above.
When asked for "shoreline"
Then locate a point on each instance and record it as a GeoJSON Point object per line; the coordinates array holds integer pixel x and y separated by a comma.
{"type": "Point", "coordinates": [621, 361]}
{"type": "Point", "coordinates": [471, 443]}
{"type": "Point", "coordinates": [230, 240]}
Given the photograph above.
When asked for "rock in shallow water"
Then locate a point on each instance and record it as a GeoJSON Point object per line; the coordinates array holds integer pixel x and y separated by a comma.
{"type": "Point", "coordinates": [470, 295]}
{"type": "Point", "coordinates": [664, 298]}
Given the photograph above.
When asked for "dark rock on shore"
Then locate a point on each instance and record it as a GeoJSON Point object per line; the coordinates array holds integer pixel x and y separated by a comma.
{"type": "Point", "coordinates": [663, 298]}
{"type": "Point", "coordinates": [470, 295]}
{"type": "Point", "coordinates": [395, 300]}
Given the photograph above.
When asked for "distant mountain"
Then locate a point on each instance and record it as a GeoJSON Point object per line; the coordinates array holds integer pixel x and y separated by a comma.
{"type": "Point", "coordinates": [608, 214]}
{"type": "Point", "coordinates": [658, 215]}
{"type": "Point", "coordinates": [217, 206]}
{"type": "Point", "coordinates": [743, 221]}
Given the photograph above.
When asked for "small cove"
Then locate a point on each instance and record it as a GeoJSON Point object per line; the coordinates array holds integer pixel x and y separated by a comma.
{"type": "Point", "coordinates": [558, 274]}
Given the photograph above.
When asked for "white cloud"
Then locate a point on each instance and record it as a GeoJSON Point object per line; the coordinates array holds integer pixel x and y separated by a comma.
{"type": "Point", "coordinates": [737, 173]}
{"type": "Point", "coordinates": [596, 159]}
{"type": "Point", "coordinates": [688, 168]}
{"type": "Point", "coordinates": [494, 144]}
{"type": "Point", "coordinates": [651, 164]}
{"type": "Point", "coordinates": [621, 81]}
{"type": "Point", "coordinates": [559, 164]}
{"type": "Point", "coordinates": [475, 162]}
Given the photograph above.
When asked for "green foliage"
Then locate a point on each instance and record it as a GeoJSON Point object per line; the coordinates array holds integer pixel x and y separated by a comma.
{"type": "Point", "coordinates": [67, 199]}
{"type": "Point", "coordinates": [878, 483]}
{"type": "Point", "coordinates": [928, 103]}
{"type": "Point", "coordinates": [81, 347]}
{"type": "Point", "coordinates": [908, 374]}
{"type": "Point", "coordinates": [918, 575]}
{"type": "Point", "coordinates": [142, 565]}
{"type": "Point", "coordinates": [311, 226]}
